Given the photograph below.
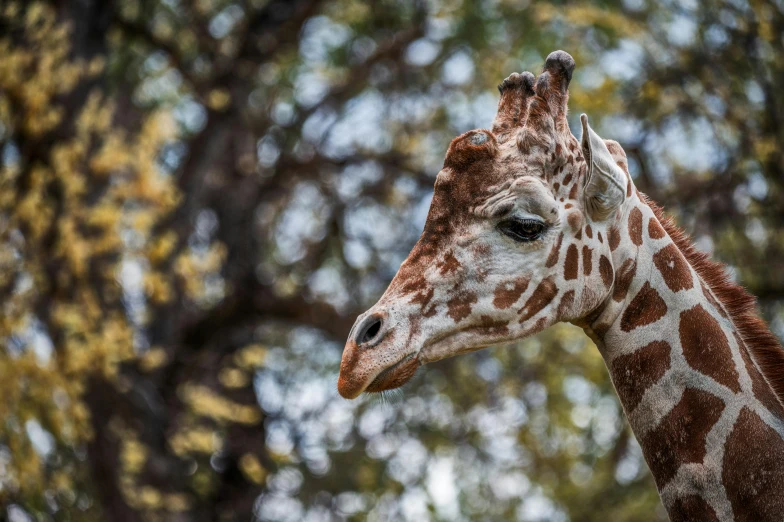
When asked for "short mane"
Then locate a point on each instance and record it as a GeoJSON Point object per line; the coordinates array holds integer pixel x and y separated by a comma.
{"type": "Point", "coordinates": [740, 305]}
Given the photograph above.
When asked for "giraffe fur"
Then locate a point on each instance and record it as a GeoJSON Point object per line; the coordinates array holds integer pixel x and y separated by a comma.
{"type": "Point", "coordinates": [529, 227]}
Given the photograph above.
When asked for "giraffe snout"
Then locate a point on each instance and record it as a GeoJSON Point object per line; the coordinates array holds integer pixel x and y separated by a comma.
{"type": "Point", "coordinates": [374, 358]}
{"type": "Point", "coordinates": [350, 385]}
{"type": "Point", "coordinates": [355, 368]}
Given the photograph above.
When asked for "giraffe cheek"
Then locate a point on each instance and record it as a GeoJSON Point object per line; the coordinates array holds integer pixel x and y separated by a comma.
{"type": "Point", "coordinates": [459, 306]}
{"type": "Point", "coordinates": [566, 306]}
{"type": "Point", "coordinates": [542, 296]}
{"type": "Point", "coordinates": [506, 294]}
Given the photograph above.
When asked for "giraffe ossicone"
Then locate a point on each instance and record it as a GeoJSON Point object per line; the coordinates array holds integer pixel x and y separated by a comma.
{"type": "Point", "coordinates": [528, 227]}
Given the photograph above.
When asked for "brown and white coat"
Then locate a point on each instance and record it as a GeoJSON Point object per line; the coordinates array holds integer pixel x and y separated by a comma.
{"type": "Point", "coordinates": [528, 227]}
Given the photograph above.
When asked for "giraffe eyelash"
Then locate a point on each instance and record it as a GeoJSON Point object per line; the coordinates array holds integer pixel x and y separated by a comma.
{"type": "Point", "coordinates": [522, 230]}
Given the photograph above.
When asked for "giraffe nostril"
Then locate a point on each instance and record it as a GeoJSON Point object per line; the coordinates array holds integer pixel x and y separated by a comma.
{"type": "Point", "coordinates": [369, 331]}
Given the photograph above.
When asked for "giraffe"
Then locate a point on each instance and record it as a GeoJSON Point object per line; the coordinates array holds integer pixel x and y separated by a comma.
{"type": "Point", "coordinates": [528, 227]}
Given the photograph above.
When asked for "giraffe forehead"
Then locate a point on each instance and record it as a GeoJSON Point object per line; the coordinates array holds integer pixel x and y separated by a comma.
{"type": "Point", "coordinates": [477, 165]}
{"type": "Point", "coordinates": [531, 193]}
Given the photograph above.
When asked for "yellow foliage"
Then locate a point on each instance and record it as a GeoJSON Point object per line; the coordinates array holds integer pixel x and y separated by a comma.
{"type": "Point", "coordinates": [350, 11]}
{"type": "Point", "coordinates": [233, 378]}
{"type": "Point", "coordinates": [176, 502]}
{"type": "Point", "coordinates": [204, 401]}
{"type": "Point", "coordinates": [133, 455]}
{"type": "Point", "coordinates": [34, 75]}
{"type": "Point", "coordinates": [157, 287]}
{"type": "Point", "coordinates": [250, 357]}
{"type": "Point", "coordinates": [149, 498]}
{"type": "Point", "coordinates": [252, 468]}
{"type": "Point", "coordinates": [218, 99]}
{"type": "Point", "coordinates": [96, 66]}
{"type": "Point", "coordinates": [113, 156]}
{"type": "Point", "coordinates": [72, 205]}
{"type": "Point", "coordinates": [31, 208]}
{"type": "Point", "coordinates": [195, 440]}
{"type": "Point", "coordinates": [161, 247]}
{"type": "Point", "coordinates": [193, 269]}
{"type": "Point", "coordinates": [588, 101]}
{"type": "Point", "coordinates": [587, 15]}
{"type": "Point", "coordinates": [153, 359]}
{"type": "Point", "coordinates": [765, 148]}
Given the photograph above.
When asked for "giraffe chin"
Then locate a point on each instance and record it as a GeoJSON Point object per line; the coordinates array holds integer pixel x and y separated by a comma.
{"type": "Point", "coordinates": [396, 375]}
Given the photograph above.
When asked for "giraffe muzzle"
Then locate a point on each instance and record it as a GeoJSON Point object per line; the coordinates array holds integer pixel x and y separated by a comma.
{"type": "Point", "coordinates": [374, 358]}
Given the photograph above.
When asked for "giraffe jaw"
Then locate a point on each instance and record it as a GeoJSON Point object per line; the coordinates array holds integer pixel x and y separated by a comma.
{"type": "Point", "coordinates": [466, 340]}
{"type": "Point", "coordinates": [403, 371]}
{"type": "Point", "coordinates": [399, 373]}
{"type": "Point", "coordinates": [449, 346]}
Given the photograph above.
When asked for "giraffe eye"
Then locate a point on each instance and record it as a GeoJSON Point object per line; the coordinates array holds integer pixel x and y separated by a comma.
{"type": "Point", "coordinates": [522, 230]}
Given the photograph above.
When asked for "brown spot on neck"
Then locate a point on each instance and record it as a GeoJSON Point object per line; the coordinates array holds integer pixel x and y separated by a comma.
{"type": "Point", "coordinates": [634, 373]}
{"type": "Point", "coordinates": [759, 387]}
{"type": "Point", "coordinates": [655, 230]}
{"type": "Point", "coordinates": [647, 307]}
{"type": "Point", "coordinates": [753, 474]}
{"type": "Point", "coordinates": [739, 305]}
{"type": "Point", "coordinates": [690, 508]}
{"type": "Point", "coordinates": [673, 268]}
{"type": "Point", "coordinates": [635, 226]}
{"type": "Point", "coordinates": [706, 348]}
{"type": "Point", "coordinates": [680, 436]}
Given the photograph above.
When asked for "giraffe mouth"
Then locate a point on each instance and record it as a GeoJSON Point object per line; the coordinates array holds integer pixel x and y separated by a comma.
{"type": "Point", "coordinates": [469, 339]}
{"type": "Point", "coordinates": [396, 375]}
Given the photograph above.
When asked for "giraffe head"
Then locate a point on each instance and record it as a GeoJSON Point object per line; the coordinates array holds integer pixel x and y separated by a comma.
{"type": "Point", "coordinates": [514, 211]}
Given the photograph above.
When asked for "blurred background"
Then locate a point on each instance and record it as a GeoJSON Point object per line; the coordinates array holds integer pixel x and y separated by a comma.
{"type": "Point", "coordinates": [197, 197]}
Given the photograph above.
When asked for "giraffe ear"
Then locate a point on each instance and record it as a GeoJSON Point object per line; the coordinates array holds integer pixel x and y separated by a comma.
{"type": "Point", "coordinates": [604, 185]}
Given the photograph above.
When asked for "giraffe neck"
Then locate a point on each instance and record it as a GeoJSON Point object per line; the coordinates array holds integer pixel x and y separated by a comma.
{"type": "Point", "coordinates": [710, 426]}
